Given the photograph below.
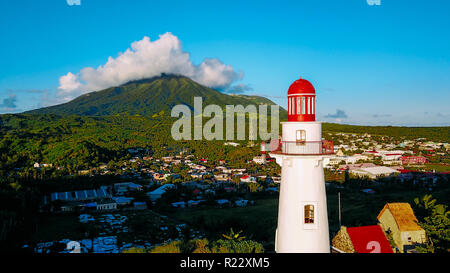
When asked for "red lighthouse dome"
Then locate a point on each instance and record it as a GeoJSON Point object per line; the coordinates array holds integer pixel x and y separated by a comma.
{"type": "Point", "coordinates": [301, 101]}
{"type": "Point", "coordinates": [301, 86]}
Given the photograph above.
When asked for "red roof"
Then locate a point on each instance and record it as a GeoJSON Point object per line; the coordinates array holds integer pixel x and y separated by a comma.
{"type": "Point", "coordinates": [301, 86]}
{"type": "Point", "coordinates": [369, 239]}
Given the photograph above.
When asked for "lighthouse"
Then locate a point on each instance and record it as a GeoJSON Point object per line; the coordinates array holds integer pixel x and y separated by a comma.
{"type": "Point", "coordinates": [302, 212]}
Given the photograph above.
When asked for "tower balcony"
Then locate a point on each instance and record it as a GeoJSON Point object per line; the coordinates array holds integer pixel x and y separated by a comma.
{"type": "Point", "coordinates": [323, 147]}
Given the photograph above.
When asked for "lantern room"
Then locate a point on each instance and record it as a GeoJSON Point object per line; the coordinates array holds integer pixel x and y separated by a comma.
{"type": "Point", "coordinates": [301, 101]}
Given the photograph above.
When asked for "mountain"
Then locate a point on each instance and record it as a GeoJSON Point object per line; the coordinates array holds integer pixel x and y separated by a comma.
{"type": "Point", "coordinates": [148, 97]}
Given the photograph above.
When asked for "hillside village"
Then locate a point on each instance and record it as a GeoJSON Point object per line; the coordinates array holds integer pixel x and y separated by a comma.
{"type": "Point", "coordinates": [183, 182]}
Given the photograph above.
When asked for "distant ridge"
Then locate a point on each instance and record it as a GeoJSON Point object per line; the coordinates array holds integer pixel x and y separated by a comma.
{"type": "Point", "coordinates": [149, 96]}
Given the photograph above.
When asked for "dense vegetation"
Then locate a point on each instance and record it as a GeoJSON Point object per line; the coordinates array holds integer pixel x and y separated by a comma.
{"type": "Point", "coordinates": [438, 134]}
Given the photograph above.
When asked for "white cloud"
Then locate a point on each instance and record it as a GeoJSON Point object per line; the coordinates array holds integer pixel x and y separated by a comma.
{"type": "Point", "coordinates": [147, 59]}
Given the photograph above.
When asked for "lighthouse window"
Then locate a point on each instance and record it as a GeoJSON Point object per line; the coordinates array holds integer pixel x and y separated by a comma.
{"type": "Point", "coordinates": [309, 214]}
{"type": "Point", "coordinates": [303, 105]}
{"type": "Point", "coordinates": [300, 137]}
{"type": "Point", "coordinates": [292, 106]}
{"type": "Point", "coordinates": [309, 105]}
{"type": "Point", "coordinates": [298, 105]}
{"type": "Point", "coordinates": [289, 105]}
{"type": "Point", "coordinates": [313, 109]}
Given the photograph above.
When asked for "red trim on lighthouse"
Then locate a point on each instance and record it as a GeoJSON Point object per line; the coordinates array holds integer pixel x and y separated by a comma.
{"type": "Point", "coordinates": [301, 94]}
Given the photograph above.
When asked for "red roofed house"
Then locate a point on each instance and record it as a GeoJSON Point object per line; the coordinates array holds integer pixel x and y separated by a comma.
{"type": "Point", "coordinates": [413, 160]}
{"type": "Point", "coordinates": [366, 239]}
{"type": "Point", "coordinates": [247, 179]}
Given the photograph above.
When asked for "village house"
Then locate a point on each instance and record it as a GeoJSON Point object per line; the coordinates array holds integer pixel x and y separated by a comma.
{"type": "Point", "coordinates": [260, 159]}
{"type": "Point", "coordinates": [354, 158]}
{"type": "Point", "coordinates": [222, 177]}
{"type": "Point", "coordinates": [122, 201]}
{"type": "Point", "coordinates": [158, 176]}
{"type": "Point", "coordinates": [235, 171]}
{"type": "Point", "coordinates": [140, 205]}
{"type": "Point", "coordinates": [167, 159]}
{"type": "Point", "coordinates": [248, 179]}
{"type": "Point", "coordinates": [106, 204]}
{"type": "Point", "coordinates": [374, 172]}
{"type": "Point", "coordinates": [121, 188]}
{"type": "Point", "coordinates": [156, 194]}
{"type": "Point", "coordinates": [351, 167]}
{"type": "Point", "coordinates": [399, 220]}
{"type": "Point", "coordinates": [365, 239]}
{"type": "Point", "coordinates": [231, 144]}
{"type": "Point", "coordinates": [407, 160]}
{"type": "Point", "coordinates": [276, 179]}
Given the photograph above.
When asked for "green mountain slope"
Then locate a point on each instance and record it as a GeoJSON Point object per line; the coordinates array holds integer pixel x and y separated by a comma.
{"type": "Point", "coordinates": [148, 97]}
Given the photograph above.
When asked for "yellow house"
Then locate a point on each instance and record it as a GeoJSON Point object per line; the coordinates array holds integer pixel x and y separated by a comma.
{"type": "Point", "coordinates": [398, 219]}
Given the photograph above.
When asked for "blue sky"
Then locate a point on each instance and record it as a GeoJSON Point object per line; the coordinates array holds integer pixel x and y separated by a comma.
{"type": "Point", "coordinates": [373, 65]}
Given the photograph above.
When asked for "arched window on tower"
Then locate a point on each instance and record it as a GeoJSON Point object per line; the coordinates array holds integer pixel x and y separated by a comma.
{"type": "Point", "coordinates": [309, 214]}
{"type": "Point", "coordinates": [300, 137]}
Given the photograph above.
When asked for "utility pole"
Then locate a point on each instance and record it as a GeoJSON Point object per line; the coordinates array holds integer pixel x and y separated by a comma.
{"type": "Point", "coordinates": [339, 204]}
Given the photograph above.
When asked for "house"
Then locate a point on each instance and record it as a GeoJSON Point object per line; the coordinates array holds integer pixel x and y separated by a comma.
{"type": "Point", "coordinates": [194, 203]}
{"type": "Point", "coordinates": [123, 201]}
{"type": "Point", "coordinates": [369, 191]}
{"type": "Point", "coordinates": [158, 176]}
{"type": "Point", "coordinates": [365, 239]}
{"type": "Point", "coordinates": [156, 194]}
{"type": "Point", "coordinates": [121, 188]}
{"type": "Point", "coordinates": [399, 220]}
{"type": "Point", "coordinates": [140, 205]}
{"type": "Point", "coordinates": [276, 179]}
{"type": "Point", "coordinates": [351, 167]}
{"type": "Point", "coordinates": [355, 158]}
{"type": "Point", "coordinates": [223, 202]}
{"type": "Point", "coordinates": [222, 177]}
{"type": "Point", "coordinates": [235, 171]}
{"type": "Point", "coordinates": [178, 204]}
{"type": "Point", "coordinates": [260, 159]}
{"type": "Point", "coordinates": [231, 144]}
{"type": "Point", "coordinates": [241, 203]}
{"type": "Point", "coordinates": [248, 179]}
{"type": "Point", "coordinates": [167, 159]}
{"type": "Point", "coordinates": [406, 160]}
{"type": "Point", "coordinates": [374, 172]}
{"type": "Point", "coordinates": [80, 195]}
{"type": "Point", "coordinates": [107, 204]}
{"type": "Point", "coordinates": [391, 156]}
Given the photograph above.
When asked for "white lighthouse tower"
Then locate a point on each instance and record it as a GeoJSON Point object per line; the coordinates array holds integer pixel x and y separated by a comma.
{"type": "Point", "coordinates": [302, 213]}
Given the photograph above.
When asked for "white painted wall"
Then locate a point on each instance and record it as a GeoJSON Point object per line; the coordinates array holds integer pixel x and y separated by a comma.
{"type": "Point", "coordinates": [302, 183]}
{"type": "Point", "coordinates": [313, 130]}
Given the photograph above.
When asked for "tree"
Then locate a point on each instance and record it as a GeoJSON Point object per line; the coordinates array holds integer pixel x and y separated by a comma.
{"type": "Point", "coordinates": [434, 219]}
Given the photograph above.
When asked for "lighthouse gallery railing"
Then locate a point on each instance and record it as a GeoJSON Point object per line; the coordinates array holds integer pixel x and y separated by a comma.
{"type": "Point", "coordinates": [324, 147]}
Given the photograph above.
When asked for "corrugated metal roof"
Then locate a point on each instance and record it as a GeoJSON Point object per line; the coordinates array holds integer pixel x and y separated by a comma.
{"type": "Point", "coordinates": [369, 239]}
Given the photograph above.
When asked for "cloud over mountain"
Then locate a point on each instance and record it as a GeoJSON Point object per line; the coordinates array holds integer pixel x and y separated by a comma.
{"type": "Point", "coordinates": [146, 59]}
